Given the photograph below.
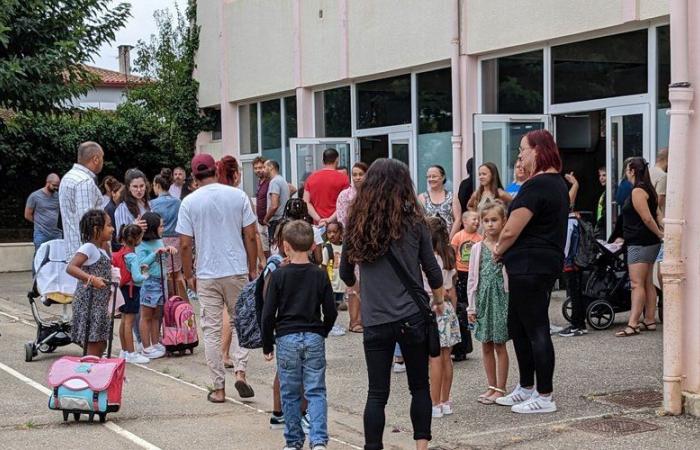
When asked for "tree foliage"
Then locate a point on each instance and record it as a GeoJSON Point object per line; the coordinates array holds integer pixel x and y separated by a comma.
{"type": "Point", "coordinates": [34, 145]}
{"type": "Point", "coordinates": [43, 44]}
{"type": "Point", "coordinates": [168, 61]}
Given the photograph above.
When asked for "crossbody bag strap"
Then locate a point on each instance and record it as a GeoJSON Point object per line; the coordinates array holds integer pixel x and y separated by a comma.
{"type": "Point", "coordinates": [407, 281]}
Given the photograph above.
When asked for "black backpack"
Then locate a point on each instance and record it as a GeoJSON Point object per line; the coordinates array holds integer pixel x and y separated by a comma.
{"type": "Point", "coordinates": [586, 250]}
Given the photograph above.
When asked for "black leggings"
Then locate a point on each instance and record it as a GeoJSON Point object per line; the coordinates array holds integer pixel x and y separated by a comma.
{"type": "Point", "coordinates": [379, 342]}
{"type": "Point", "coordinates": [528, 325]}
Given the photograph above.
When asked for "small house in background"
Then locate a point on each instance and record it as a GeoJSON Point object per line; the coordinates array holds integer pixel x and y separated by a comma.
{"type": "Point", "coordinates": [110, 91]}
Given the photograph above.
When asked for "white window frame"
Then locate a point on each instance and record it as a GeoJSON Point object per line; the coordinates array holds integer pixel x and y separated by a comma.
{"type": "Point", "coordinates": [294, 142]}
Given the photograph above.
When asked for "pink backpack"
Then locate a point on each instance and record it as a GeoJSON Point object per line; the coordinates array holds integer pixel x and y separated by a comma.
{"type": "Point", "coordinates": [179, 326]}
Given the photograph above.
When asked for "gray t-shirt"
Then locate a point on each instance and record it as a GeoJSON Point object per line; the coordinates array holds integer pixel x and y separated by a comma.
{"type": "Point", "coordinates": [46, 210]}
{"type": "Point", "coordinates": [280, 187]}
{"type": "Point", "coordinates": [385, 298]}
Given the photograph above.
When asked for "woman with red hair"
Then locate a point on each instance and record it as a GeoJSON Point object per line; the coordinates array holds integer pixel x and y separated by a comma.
{"type": "Point", "coordinates": [532, 249]}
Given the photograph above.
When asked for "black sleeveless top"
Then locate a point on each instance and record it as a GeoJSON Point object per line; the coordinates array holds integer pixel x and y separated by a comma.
{"type": "Point", "coordinates": [634, 231]}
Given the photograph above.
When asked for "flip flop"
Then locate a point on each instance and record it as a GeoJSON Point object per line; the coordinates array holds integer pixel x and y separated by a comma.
{"type": "Point", "coordinates": [213, 400]}
{"type": "Point", "coordinates": [356, 329]}
{"type": "Point", "coordinates": [244, 389]}
{"type": "Point", "coordinates": [228, 365]}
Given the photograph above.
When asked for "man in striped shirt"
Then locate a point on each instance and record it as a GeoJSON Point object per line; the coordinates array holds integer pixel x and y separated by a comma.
{"type": "Point", "coordinates": [79, 193]}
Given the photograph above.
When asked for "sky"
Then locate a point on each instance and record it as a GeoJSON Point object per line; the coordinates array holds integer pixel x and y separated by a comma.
{"type": "Point", "coordinates": [141, 25]}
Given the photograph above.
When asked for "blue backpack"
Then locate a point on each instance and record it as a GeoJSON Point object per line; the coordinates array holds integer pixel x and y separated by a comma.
{"type": "Point", "coordinates": [249, 307]}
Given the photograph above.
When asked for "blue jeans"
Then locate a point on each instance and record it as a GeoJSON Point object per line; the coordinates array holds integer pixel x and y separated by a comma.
{"type": "Point", "coordinates": [301, 363]}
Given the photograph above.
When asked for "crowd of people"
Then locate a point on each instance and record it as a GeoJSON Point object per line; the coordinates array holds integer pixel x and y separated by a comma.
{"type": "Point", "coordinates": [418, 274]}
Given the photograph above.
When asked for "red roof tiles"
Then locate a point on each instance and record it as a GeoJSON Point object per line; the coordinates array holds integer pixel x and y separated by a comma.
{"type": "Point", "coordinates": [114, 78]}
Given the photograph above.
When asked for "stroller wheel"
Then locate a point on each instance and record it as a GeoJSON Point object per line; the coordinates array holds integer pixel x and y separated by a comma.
{"type": "Point", "coordinates": [566, 309]}
{"type": "Point", "coordinates": [600, 315]}
{"type": "Point", "coordinates": [28, 351]}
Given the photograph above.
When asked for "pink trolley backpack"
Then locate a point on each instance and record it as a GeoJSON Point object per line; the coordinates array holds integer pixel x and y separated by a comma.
{"type": "Point", "coordinates": [179, 326]}
{"type": "Point", "coordinates": [179, 323]}
{"type": "Point", "coordinates": [88, 384]}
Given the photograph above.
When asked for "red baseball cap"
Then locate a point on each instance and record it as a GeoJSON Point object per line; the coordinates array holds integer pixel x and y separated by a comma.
{"type": "Point", "coordinates": [202, 162]}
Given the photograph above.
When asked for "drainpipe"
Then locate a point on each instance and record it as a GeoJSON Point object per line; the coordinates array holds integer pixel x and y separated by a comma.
{"type": "Point", "coordinates": [456, 97]}
{"type": "Point", "coordinates": [673, 266]}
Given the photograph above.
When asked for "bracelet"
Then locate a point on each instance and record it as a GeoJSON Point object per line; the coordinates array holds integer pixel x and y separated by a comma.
{"type": "Point", "coordinates": [89, 281]}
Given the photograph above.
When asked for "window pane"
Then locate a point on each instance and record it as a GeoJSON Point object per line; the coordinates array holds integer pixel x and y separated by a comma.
{"type": "Point", "coordinates": [271, 130]}
{"type": "Point", "coordinates": [385, 102]}
{"type": "Point", "coordinates": [434, 101]}
{"type": "Point", "coordinates": [663, 53]}
{"type": "Point", "coordinates": [434, 123]}
{"type": "Point", "coordinates": [610, 66]}
{"type": "Point", "coordinates": [290, 124]}
{"type": "Point", "coordinates": [248, 127]}
{"type": "Point", "coordinates": [500, 142]}
{"type": "Point", "coordinates": [333, 112]}
{"type": "Point", "coordinates": [249, 180]}
{"type": "Point", "coordinates": [216, 132]}
{"type": "Point", "coordinates": [434, 148]}
{"type": "Point", "coordinates": [513, 84]}
{"type": "Point", "coordinates": [373, 148]}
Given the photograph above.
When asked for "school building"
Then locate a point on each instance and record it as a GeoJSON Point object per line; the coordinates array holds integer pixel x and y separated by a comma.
{"type": "Point", "coordinates": [436, 82]}
{"type": "Point", "coordinates": [442, 81]}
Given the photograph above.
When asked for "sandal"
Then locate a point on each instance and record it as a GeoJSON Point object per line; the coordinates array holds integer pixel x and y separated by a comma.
{"type": "Point", "coordinates": [490, 400]}
{"type": "Point", "coordinates": [648, 326]}
{"type": "Point", "coordinates": [213, 400]}
{"type": "Point", "coordinates": [625, 333]}
{"type": "Point", "coordinates": [356, 329]}
{"type": "Point", "coordinates": [486, 396]}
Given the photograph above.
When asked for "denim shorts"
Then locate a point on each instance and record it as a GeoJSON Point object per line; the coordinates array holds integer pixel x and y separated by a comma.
{"type": "Point", "coordinates": [152, 294]}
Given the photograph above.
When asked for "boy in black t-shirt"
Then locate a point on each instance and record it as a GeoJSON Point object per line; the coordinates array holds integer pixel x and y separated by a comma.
{"type": "Point", "coordinates": [298, 313]}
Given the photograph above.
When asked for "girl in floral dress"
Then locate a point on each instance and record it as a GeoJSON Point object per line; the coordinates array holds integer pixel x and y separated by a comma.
{"type": "Point", "coordinates": [487, 289]}
{"type": "Point", "coordinates": [93, 268]}
{"type": "Point", "coordinates": [448, 325]}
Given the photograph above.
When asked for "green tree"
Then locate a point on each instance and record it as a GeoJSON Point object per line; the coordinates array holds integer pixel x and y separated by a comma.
{"type": "Point", "coordinates": [168, 61]}
{"type": "Point", "coordinates": [43, 44]}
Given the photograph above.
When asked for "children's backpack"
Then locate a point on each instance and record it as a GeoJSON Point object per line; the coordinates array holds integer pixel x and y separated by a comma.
{"type": "Point", "coordinates": [119, 261]}
{"type": "Point", "coordinates": [249, 307]}
{"type": "Point", "coordinates": [179, 326]}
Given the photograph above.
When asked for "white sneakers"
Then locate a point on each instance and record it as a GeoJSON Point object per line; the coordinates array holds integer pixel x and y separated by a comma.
{"type": "Point", "coordinates": [437, 411]}
{"type": "Point", "coordinates": [527, 401]}
{"type": "Point", "coordinates": [136, 358]}
{"type": "Point", "coordinates": [337, 330]}
{"type": "Point", "coordinates": [447, 408]}
{"type": "Point", "coordinates": [536, 404]}
{"type": "Point", "coordinates": [153, 352]}
{"type": "Point", "coordinates": [399, 367]}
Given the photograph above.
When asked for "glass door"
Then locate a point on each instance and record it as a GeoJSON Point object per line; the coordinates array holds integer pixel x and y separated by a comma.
{"type": "Point", "coordinates": [497, 138]}
{"type": "Point", "coordinates": [396, 145]}
{"type": "Point", "coordinates": [307, 155]}
{"type": "Point", "coordinates": [627, 135]}
{"type": "Point", "coordinates": [400, 146]}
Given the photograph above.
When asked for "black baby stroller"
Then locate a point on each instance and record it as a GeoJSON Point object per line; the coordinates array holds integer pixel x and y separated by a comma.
{"type": "Point", "coordinates": [604, 279]}
{"type": "Point", "coordinates": [53, 286]}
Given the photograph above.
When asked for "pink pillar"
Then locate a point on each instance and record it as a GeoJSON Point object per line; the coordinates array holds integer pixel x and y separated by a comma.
{"type": "Point", "coordinates": [691, 234]}
{"type": "Point", "coordinates": [229, 113]}
{"type": "Point", "coordinates": [470, 106]}
{"type": "Point", "coordinates": [457, 136]}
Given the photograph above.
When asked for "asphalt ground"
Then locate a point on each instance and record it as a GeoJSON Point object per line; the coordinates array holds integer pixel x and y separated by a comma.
{"type": "Point", "coordinates": [164, 403]}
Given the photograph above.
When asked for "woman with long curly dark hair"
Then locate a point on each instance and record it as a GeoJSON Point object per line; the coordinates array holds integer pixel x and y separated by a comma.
{"type": "Point", "coordinates": [386, 218]}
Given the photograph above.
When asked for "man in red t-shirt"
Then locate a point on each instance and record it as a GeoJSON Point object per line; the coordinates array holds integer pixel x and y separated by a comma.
{"type": "Point", "coordinates": [323, 186]}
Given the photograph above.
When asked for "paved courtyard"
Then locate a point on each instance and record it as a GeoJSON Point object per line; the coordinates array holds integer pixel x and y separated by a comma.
{"type": "Point", "coordinates": [607, 390]}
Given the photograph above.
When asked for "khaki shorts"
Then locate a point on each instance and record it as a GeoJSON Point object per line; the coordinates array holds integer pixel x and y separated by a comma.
{"type": "Point", "coordinates": [262, 229]}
